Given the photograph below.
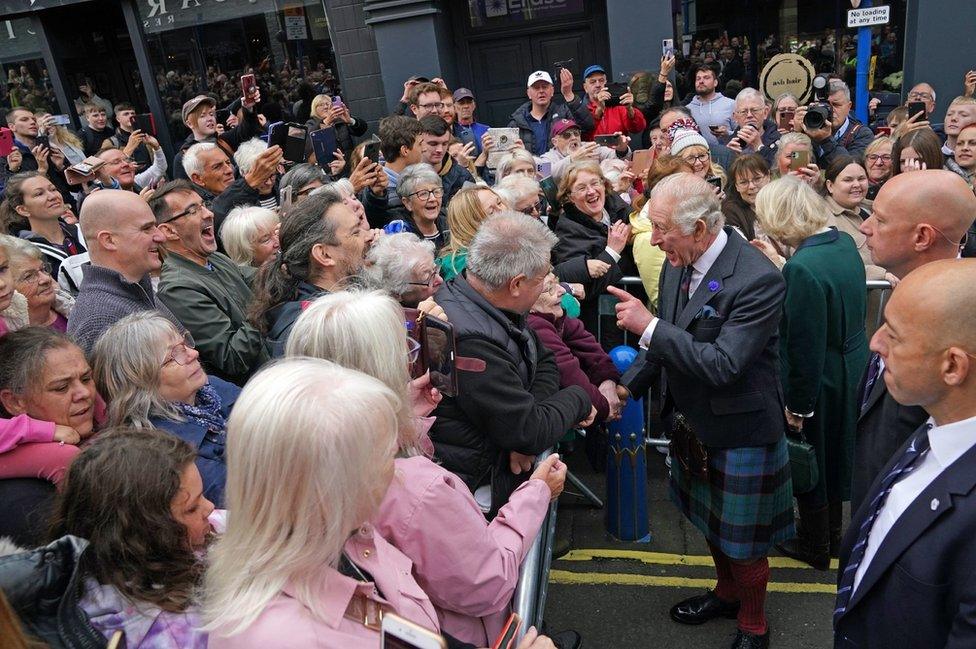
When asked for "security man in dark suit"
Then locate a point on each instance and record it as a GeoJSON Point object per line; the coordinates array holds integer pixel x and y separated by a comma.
{"type": "Point", "coordinates": [715, 349]}
{"type": "Point", "coordinates": [907, 563]}
{"type": "Point", "coordinates": [918, 218]}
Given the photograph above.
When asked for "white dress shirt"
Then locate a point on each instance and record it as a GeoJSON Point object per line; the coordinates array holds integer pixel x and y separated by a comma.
{"type": "Point", "coordinates": [699, 269]}
{"type": "Point", "coordinates": [946, 445]}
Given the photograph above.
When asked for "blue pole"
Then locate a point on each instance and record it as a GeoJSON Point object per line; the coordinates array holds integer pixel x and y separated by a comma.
{"type": "Point", "coordinates": [863, 67]}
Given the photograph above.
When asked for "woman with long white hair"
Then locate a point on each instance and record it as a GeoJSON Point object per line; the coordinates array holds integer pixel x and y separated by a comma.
{"type": "Point", "coordinates": [469, 573]}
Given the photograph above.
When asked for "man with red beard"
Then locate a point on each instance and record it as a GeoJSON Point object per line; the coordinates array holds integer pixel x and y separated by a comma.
{"type": "Point", "coordinates": [206, 290]}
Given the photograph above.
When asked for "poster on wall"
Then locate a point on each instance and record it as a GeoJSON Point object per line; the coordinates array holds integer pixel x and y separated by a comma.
{"type": "Point", "coordinates": [491, 13]}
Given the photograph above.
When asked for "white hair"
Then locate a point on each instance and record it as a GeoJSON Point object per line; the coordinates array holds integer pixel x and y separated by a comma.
{"type": "Point", "coordinates": [239, 229]}
{"type": "Point", "coordinates": [308, 447]}
{"type": "Point", "coordinates": [516, 188]}
{"type": "Point", "coordinates": [392, 260]}
{"type": "Point", "coordinates": [692, 199]}
{"type": "Point", "coordinates": [509, 159]}
{"type": "Point", "coordinates": [509, 244]}
{"type": "Point", "coordinates": [192, 164]}
{"type": "Point", "coordinates": [747, 94]}
{"type": "Point", "coordinates": [415, 175]}
{"type": "Point", "coordinates": [247, 153]}
{"type": "Point", "coordinates": [836, 85]}
{"type": "Point", "coordinates": [363, 331]}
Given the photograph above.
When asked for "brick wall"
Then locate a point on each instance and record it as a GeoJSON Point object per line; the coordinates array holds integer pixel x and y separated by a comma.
{"type": "Point", "coordinates": [357, 60]}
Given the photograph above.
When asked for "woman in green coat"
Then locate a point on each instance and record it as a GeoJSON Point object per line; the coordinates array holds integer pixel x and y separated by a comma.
{"type": "Point", "coordinates": [823, 352]}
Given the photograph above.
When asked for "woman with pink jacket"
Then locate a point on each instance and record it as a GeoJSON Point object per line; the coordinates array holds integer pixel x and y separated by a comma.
{"type": "Point", "coordinates": [468, 567]}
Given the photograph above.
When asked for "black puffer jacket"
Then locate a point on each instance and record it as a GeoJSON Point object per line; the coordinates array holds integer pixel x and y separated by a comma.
{"type": "Point", "coordinates": [43, 587]}
{"type": "Point", "coordinates": [514, 405]}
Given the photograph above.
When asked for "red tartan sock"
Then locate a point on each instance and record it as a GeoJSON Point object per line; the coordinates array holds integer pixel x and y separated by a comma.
{"type": "Point", "coordinates": [725, 587]}
{"type": "Point", "coordinates": [751, 582]}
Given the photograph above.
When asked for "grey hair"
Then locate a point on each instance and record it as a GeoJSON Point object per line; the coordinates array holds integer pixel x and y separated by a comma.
{"type": "Point", "coordinates": [415, 175]}
{"type": "Point", "coordinates": [247, 153]}
{"type": "Point", "coordinates": [793, 137]}
{"type": "Point", "coordinates": [836, 85]}
{"type": "Point", "coordinates": [693, 199]}
{"type": "Point", "coordinates": [301, 175]}
{"type": "Point", "coordinates": [239, 228]}
{"type": "Point", "coordinates": [509, 244]}
{"type": "Point", "coordinates": [749, 93]}
{"type": "Point", "coordinates": [126, 362]}
{"type": "Point", "coordinates": [509, 159]}
{"type": "Point", "coordinates": [785, 95]}
{"type": "Point", "coordinates": [192, 164]}
{"type": "Point", "coordinates": [391, 261]}
{"type": "Point", "coordinates": [517, 187]}
{"type": "Point", "coordinates": [23, 356]}
{"type": "Point", "coordinates": [20, 248]}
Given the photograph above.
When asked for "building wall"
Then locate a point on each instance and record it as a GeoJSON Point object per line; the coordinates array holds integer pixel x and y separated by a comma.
{"type": "Point", "coordinates": [357, 59]}
{"type": "Point", "coordinates": [636, 30]}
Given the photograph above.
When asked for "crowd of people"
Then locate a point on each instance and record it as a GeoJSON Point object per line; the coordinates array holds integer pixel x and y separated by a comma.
{"type": "Point", "coordinates": [221, 425]}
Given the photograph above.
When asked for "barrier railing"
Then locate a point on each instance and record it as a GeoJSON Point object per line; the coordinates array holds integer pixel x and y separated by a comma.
{"type": "Point", "coordinates": [533, 583]}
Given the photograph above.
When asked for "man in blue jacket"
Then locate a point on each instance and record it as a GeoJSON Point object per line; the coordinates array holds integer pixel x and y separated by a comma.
{"type": "Point", "coordinates": [465, 128]}
{"type": "Point", "coordinates": [535, 117]}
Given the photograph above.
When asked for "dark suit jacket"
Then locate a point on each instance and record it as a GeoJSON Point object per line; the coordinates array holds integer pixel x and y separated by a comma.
{"type": "Point", "coordinates": [920, 588]}
{"type": "Point", "coordinates": [720, 354]}
{"type": "Point", "coordinates": [882, 427]}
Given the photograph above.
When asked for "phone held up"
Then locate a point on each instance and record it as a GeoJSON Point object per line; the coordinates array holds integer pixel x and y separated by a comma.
{"type": "Point", "coordinates": [249, 85]}
{"type": "Point", "coordinates": [399, 633]}
{"type": "Point", "coordinates": [800, 159]}
{"type": "Point", "coordinates": [916, 107]}
{"type": "Point", "coordinates": [606, 140]}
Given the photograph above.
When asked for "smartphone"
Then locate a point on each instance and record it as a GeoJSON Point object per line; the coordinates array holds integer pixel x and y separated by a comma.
{"type": "Point", "coordinates": [883, 130]}
{"type": "Point", "coordinates": [398, 633]}
{"type": "Point", "coordinates": [437, 345]}
{"type": "Point", "coordinates": [559, 65]}
{"type": "Point", "coordinates": [667, 47]}
{"type": "Point", "coordinates": [503, 138]}
{"type": "Point", "coordinates": [506, 639]}
{"type": "Point", "coordinates": [144, 122]}
{"type": "Point", "coordinates": [286, 200]}
{"type": "Point", "coordinates": [544, 169]}
{"type": "Point", "coordinates": [248, 85]}
{"type": "Point", "coordinates": [616, 90]}
{"type": "Point", "coordinates": [916, 107]}
{"type": "Point", "coordinates": [642, 161]}
{"type": "Point", "coordinates": [291, 139]}
{"type": "Point", "coordinates": [606, 140]}
{"type": "Point", "coordinates": [324, 145]}
{"type": "Point", "coordinates": [223, 114]}
{"type": "Point", "coordinates": [372, 151]}
{"type": "Point", "coordinates": [117, 641]}
{"type": "Point", "coordinates": [550, 190]}
{"type": "Point", "coordinates": [42, 140]}
{"type": "Point", "coordinates": [786, 121]}
{"type": "Point", "coordinates": [61, 120]}
{"type": "Point", "coordinates": [6, 141]}
{"type": "Point", "coordinates": [800, 160]}
{"type": "Point", "coordinates": [337, 102]}
{"type": "Point", "coordinates": [714, 181]}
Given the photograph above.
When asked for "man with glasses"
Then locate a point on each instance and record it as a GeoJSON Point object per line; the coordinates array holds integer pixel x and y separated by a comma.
{"type": "Point", "coordinates": [568, 147]}
{"type": "Point", "coordinates": [844, 135]}
{"type": "Point", "coordinates": [436, 134]}
{"type": "Point", "coordinates": [754, 131]}
{"type": "Point", "coordinates": [917, 218]}
{"type": "Point", "coordinates": [206, 290]}
{"type": "Point", "coordinates": [124, 245]}
{"type": "Point", "coordinates": [426, 99]}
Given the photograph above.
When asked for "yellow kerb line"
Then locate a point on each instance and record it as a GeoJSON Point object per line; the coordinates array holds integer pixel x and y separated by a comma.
{"type": "Point", "coordinates": [663, 558]}
{"type": "Point", "coordinates": [622, 579]}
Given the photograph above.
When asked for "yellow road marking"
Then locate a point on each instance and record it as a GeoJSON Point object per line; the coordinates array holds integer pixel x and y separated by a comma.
{"type": "Point", "coordinates": [622, 579]}
{"type": "Point", "coordinates": [663, 558]}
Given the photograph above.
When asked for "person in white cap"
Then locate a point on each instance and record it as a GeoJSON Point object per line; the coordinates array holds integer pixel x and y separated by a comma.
{"type": "Point", "coordinates": [535, 118]}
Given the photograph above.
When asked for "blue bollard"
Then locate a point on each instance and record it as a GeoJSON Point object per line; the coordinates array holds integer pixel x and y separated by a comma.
{"type": "Point", "coordinates": [626, 506]}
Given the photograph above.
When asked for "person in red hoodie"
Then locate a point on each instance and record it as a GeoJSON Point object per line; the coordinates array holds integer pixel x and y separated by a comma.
{"type": "Point", "coordinates": [622, 118]}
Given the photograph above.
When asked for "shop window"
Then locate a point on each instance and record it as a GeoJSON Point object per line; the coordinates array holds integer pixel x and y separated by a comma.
{"type": "Point", "coordinates": [24, 82]}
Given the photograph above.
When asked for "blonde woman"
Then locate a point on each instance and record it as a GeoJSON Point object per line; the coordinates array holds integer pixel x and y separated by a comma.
{"type": "Point", "coordinates": [311, 454]}
{"type": "Point", "coordinates": [823, 351]}
{"type": "Point", "coordinates": [326, 112]}
{"type": "Point", "coordinates": [470, 574]}
{"type": "Point", "coordinates": [465, 213]}
{"type": "Point", "coordinates": [61, 138]}
{"type": "Point", "coordinates": [516, 161]}
{"type": "Point", "coordinates": [250, 235]}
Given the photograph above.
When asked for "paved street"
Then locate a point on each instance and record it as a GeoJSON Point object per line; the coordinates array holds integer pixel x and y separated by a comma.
{"type": "Point", "coordinates": [618, 594]}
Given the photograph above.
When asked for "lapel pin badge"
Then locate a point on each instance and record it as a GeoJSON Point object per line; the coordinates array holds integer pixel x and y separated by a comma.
{"type": "Point", "coordinates": [714, 285]}
{"type": "Point", "coordinates": [935, 504]}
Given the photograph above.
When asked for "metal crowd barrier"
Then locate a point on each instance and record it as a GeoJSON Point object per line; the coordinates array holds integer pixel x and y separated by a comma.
{"type": "Point", "coordinates": [533, 584]}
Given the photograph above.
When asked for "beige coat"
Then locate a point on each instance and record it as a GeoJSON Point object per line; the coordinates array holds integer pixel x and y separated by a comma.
{"type": "Point", "coordinates": [850, 221]}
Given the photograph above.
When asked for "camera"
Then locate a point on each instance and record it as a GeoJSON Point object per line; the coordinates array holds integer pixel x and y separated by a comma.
{"type": "Point", "coordinates": [819, 111]}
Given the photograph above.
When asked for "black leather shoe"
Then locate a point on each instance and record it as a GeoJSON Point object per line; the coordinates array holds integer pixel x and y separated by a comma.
{"type": "Point", "coordinates": [567, 639]}
{"type": "Point", "coordinates": [701, 609]}
{"type": "Point", "coordinates": [745, 640]}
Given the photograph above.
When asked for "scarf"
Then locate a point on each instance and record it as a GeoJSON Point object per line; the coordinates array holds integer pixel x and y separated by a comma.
{"type": "Point", "coordinates": [206, 412]}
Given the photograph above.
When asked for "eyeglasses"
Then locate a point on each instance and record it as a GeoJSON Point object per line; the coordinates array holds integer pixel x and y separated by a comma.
{"type": "Point", "coordinates": [692, 159]}
{"type": "Point", "coordinates": [920, 95]}
{"type": "Point", "coordinates": [582, 189]}
{"type": "Point", "coordinates": [34, 276]}
{"type": "Point", "coordinates": [438, 106]}
{"type": "Point", "coordinates": [192, 210]}
{"type": "Point", "coordinates": [125, 160]}
{"type": "Point", "coordinates": [425, 194]}
{"type": "Point", "coordinates": [180, 353]}
{"type": "Point", "coordinates": [750, 111]}
{"type": "Point", "coordinates": [413, 349]}
{"type": "Point", "coordinates": [431, 277]}
{"type": "Point", "coordinates": [873, 158]}
{"type": "Point", "coordinates": [533, 209]}
{"type": "Point", "coordinates": [746, 182]}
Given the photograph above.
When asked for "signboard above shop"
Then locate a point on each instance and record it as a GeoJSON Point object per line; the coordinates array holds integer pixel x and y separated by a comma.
{"type": "Point", "coordinates": [868, 16]}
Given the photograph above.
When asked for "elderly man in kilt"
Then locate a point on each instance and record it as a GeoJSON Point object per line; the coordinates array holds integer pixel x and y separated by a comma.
{"type": "Point", "coordinates": [714, 347]}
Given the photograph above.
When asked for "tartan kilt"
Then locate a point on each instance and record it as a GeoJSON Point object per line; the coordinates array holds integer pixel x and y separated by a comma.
{"type": "Point", "coordinates": [746, 504]}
